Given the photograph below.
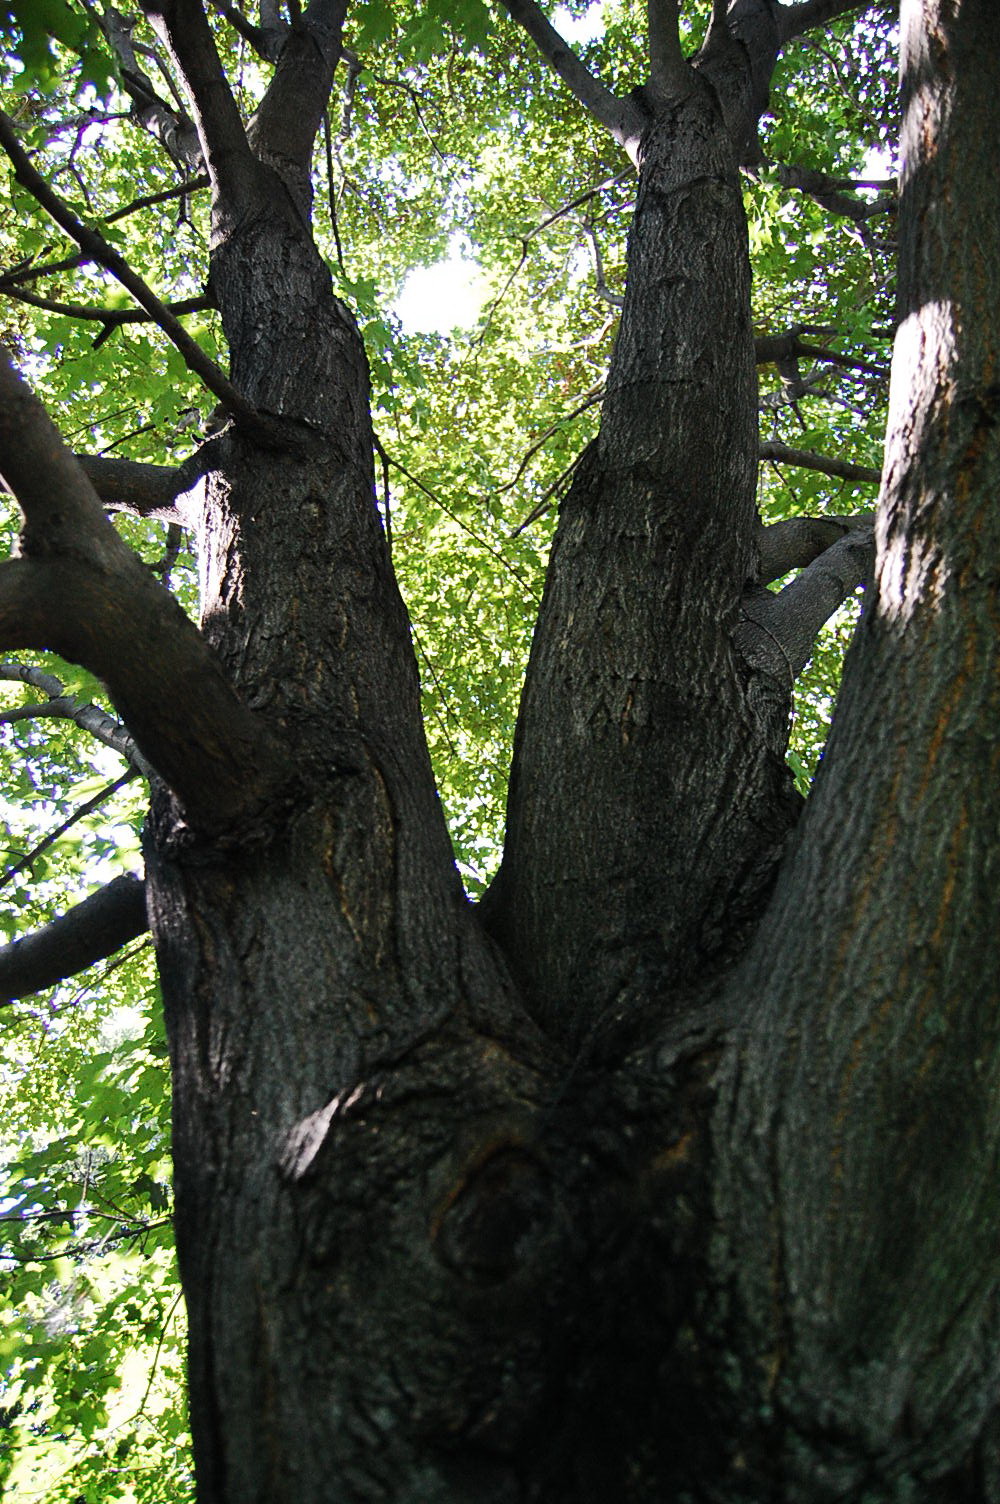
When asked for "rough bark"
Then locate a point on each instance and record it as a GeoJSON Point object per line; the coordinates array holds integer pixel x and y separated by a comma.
{"type": "Point", "coordinates": [633, 670]}
{"type": "Point", "coordinates": [449, 1236]}
{"type": "Point", "coordinates": [859, 1137]}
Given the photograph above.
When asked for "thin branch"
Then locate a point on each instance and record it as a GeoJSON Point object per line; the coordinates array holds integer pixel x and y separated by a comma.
{"type": "Point", "coordinates": [330, 191]}
{"type": "Point", "coordinates": [97, 248]}
{"type": "Point", "coordinates": [148, 200]}
{"type": "Point", "coordinates": [25, 863]}
{"type": "Point", "coordinates": [110, 317]}
{"type": "Point", "coordinates": [459, 522]}
{"type": "Point", "coordinates": [62, 706]}
{"type": "Point", "coordinates": [575, 203]}
{"type": "Point", "coordinates": [616, 299]}
{"type": "Point", "coordinates": [551, 494]}
{"type": "Point", "coordinates": [776, 349]}
{"type": "Point", "coordinates": [28, 271]}
{"type": "Point", "coordinates": [793, 20]}
{"type": "Point", "coordinates": [827, 191]}
{"type": "Point", "coordinates": [259, 39]}
{"type": "Point", "coordinates": [840, 469]}
{"type": "Point", "coordinates": [386, 510]}
{"type": "Point", "coordinates": [171, 553]}
{"type": "Point", "coordinates": [796, 541]}
{"type": "Point", "coordinates": [620, 117]}
{"type": "Point", "coordinates": [591, 398]}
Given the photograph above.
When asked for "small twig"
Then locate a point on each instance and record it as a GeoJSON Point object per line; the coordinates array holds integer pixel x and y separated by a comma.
{"type": "Point", "coordinates": [384, 458]}
{"type": "Point", "coordinates": [330, 192]}
{"type": "Point", "coordinates": [459, 522]}
{"type": "Point", "coordinates": [590, 400]}
{"type": "Point", "coordinates": [60, 830]}
{"type": "Point", "coordinates": [549, 495]}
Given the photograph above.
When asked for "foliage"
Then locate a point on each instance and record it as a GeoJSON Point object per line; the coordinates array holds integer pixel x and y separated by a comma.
{"type": "Point", "coordinates": [447, 133]}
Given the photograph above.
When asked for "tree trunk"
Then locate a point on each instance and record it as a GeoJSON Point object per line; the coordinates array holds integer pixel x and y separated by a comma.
{"type": "Point", "coordinates": [641, 735]}
{"type": "Point", "coordinates": [858, 1136]}
{"type": "Point", "coordinates": [446, 1235]}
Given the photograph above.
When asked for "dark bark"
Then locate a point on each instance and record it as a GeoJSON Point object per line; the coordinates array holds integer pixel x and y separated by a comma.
{"type": "Point", "coordinates": [91, 930]}
{"type": "Point", "coordinates": [462, 1216]}
{"type": "Point", "coordinates": [859, 1137]}
{"type": "Point", "coordinates": [633, 669]}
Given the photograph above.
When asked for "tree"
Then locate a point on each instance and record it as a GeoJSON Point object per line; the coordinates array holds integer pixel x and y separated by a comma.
{"type": "Point", "coordinates": [667, 1169]}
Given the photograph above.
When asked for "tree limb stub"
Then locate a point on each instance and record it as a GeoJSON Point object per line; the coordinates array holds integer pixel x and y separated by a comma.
{"type": "Point", "coordinates": [80, 590]}
{"type": "Point", "coordinates": [86, 933]}
{"type": "Point", "coordinates": [140, 489]}
{"type": "Point", "coordinates": [137, 488]}
{"type": "Point", "coordinates": [796, 541]}
{"type": "Point", "coordinates": [791, 619]}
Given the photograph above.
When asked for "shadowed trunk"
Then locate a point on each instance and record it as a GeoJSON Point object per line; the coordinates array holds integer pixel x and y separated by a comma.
{"type": "Point", "coordinates": [670, 1173]}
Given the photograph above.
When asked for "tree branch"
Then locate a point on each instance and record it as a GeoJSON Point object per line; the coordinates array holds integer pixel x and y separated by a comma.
{"type": "Point", "coordinates": [780, 629]}
{"type": "Point", "coordinates": [292, 110]}
{"type": "Point", "coordinates": [171, 126]}
{"type": "Point", "coordinates": [28, 860]}
{"type": "Point", "coordinates": [795, 542]}
{"type": "Point", "coordinates": [28, 271]}
{"type": "Point", "coordinates": [93, 244]}
{"type": "Point", "coordinates": [789, 346]}
{"type": "Point", "coordinates": [110, 317]}
{"type": "Point", "coordinates": [88, 932]}
{"type": "Point", "coordinates": [66, 707]}
{"type": "Point", "coordinates": [265, 41]}
{"type": "Point", "coordinates": [867, 475]}
{"type": "Point", "coordinates": [668, 68]}
{"type": "Point", "coordinates": [140, 490]}
{"type": "Point", "coordinates": [827, 191]}
{"type": "Point", "coordinates": [80, 590]}
{"type": "Point", "coordinates": [793, 20]}
{"type": "Point", "coordinates": [619, 116]}
{"type": "Point", "coordinates": [183, 27]}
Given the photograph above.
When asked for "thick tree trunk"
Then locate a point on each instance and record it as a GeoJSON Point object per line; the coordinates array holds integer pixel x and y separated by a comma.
{"type": "Point", "coordinates": [442, 1244]}
{"type": "Point", "coordinates": [859, 1140]}
{"type": "Point", "coordinates": [641, 736]}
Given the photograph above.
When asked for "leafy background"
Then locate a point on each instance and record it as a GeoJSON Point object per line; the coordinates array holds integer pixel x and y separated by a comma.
{"type": "Point", "coordinates": [447, 136]}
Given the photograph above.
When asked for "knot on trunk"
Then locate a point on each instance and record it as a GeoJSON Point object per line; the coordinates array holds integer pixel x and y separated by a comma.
{"type": "Point", "coordinates": [498, 1220]}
